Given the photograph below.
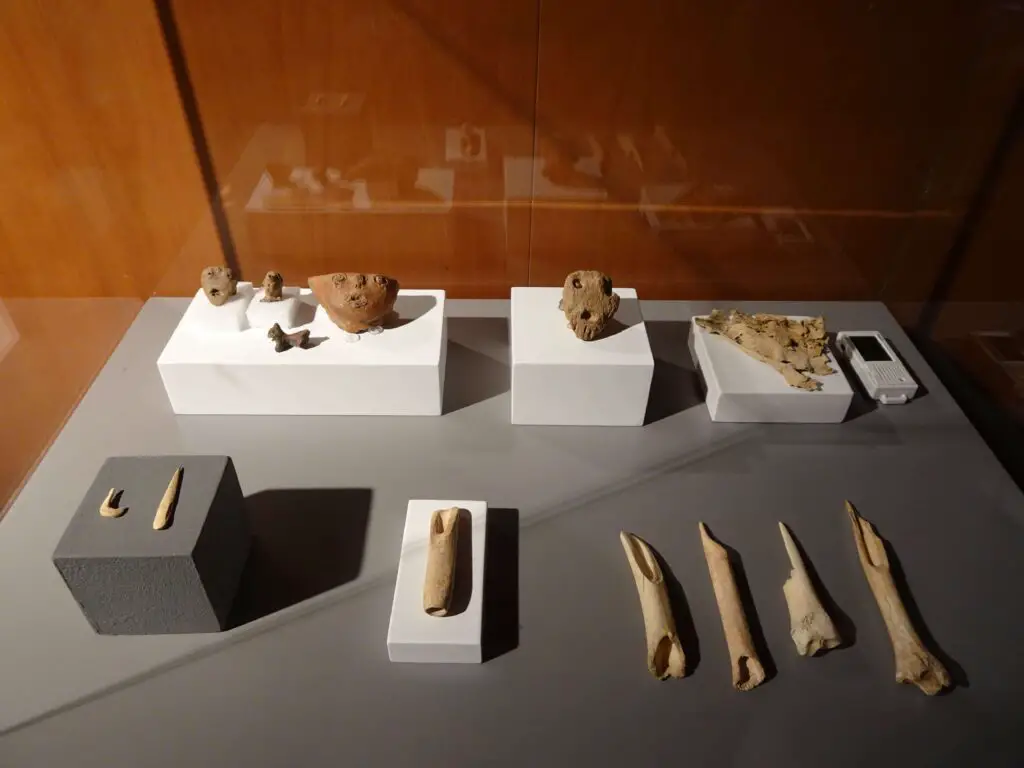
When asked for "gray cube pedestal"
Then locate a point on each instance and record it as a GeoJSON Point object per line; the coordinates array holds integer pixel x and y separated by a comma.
{"type": "Point", "coordinates": [129, 579]}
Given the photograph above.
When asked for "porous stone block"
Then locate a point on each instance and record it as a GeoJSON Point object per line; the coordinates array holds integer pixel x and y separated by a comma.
{"type": "Point", "coordinates": [130, 579]}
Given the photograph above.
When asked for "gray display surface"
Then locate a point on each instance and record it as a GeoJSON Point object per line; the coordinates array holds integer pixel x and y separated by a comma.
{"type": "Point", "coordinates": [309, 682]}
{"type": "Point", "coordinates": [133, 580]}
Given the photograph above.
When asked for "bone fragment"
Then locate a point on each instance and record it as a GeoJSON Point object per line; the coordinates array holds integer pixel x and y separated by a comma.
{"type": "Point", "coordinates": [165, 512]}
{"type": "Point", "coordinates": [914, 663]}
{"type": "Point", "coordinates": [439, 583]}
{"type": "Point", "coordinates": [747, 672]}
{"type": "Point", "coordinates": [797, 349]}
{"type": "Point", "coordinates": [109, 506]}
{"type": "Point", "coordinates": [665, 656]}
{"type": "Point", "coordinates": [811, 627]}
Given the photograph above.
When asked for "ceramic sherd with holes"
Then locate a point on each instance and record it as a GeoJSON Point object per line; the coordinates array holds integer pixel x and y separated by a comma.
{"type": "Point", "coordinates": [399, 371]}
{"type": "Point", "coordinates": [560, 379]}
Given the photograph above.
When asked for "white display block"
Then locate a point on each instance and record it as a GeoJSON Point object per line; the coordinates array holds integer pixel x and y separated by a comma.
{"type": "Point", "coordinates": [398, 372]}
{"type": "Point", "coordinates": [559, 379]}
{"type": "Point", "coordinates": [741, 388]}
{"type": "Point", "coordinates": [203, 318]}
{"type": "Point", "coordinates": [263, 314]}
{"type": "Point", "coordinates": [415, 636]}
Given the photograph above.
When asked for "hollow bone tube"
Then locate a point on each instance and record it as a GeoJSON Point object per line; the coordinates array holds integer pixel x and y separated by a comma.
{"type": "Point", "coordinates": [665, 656]}
{"type": "Point", "coordinates": [439, 582]}
{"type": "Point", "coordinates": [747, 672]}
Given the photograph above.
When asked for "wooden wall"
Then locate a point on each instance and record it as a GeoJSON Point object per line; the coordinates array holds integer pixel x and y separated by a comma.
{"type": "Point", "coordinates": [99, 189]}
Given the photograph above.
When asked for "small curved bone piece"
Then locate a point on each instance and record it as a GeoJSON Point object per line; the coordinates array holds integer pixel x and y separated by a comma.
{"type": "Point", "coordinates": [747, 672]}
{"type": "Point", "coordinates": [439, 583]}
{"type": "Point", "coordinates": [165, 512]}
{"type": "Point", "coordinates": [109, 506]}
{"type": "Point", "coordinates": [811, 627]}
{"type": "Point", "coordinates": [665, 656]}
{"type": "Point", "coordinates": [285, 341]}
{"type": "Point", "coordinates": [914, 663]}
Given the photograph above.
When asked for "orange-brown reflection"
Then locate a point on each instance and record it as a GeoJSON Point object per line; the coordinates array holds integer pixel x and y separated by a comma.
{"type": "Point", "coordinates": [345, 135]}
{"type": "Point", "coordinates": [44, 371]}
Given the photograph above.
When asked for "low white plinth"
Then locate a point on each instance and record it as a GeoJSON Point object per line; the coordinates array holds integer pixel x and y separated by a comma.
{"type": "Point", "coordinates": [742, 389]}
{"type": "Point", "coordinates": [559, 379]}
{"type": "Point", "coordinates": [203, 318]}
{"type": "Point", "coordinates": [264, 314]}
{"type": "Point", "coordinates": [415, 636]}
{"type": "Point", "coordinates": [398, 372]}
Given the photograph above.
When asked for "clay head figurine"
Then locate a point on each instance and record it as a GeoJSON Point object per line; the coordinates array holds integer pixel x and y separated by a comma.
{"type": "Point", "coordinates": [272, 285]}
{"type": "Point", "coordinates": [354, 301]}
{"type": "Point", "coordinates": [219, 284]}
{"type": "Point", "coordinates": [588, 302]}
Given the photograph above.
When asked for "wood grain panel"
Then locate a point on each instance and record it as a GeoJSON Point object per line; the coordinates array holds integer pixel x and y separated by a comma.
{"type": "Point", "coordinates": [847, 112]}
{"type": "Point", "coordinates": [368, 88]}
{"type": "Point", "coordinates": [100, 188]}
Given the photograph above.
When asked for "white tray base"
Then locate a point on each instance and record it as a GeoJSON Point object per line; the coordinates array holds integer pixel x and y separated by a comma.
{"type": "Point", "coordinates": [559, 379]}
{"type": "Point", "coordinates": [414, 636]}
{"type": "Point", "coordinates": [399, 372]}
{"type": "Point", "coordinates": [741, 389]}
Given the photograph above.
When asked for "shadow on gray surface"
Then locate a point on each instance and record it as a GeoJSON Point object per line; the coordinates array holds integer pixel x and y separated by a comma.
{"type": "Point", "coordinates": [305, 541]}
{"type": "Point", "coordinates": [847, 629]}
{"type": "Point", "coordinates": [500, 632]}
{"type": "Point", "coordinates": [956, 672]}
{"type": "Point", "coordinates": [685, 628]}
{"type": "Point", "coordinates": [676, 385]}
{"type": "Point", "coordinates": [307, 311]}
{"type": "Point", "coordinates": [462, 589]}
{"type": "Point", "coordinates": [409, 308]}
{"type": "Point", "coordinates": [477, 367]}
{"type": "Point", "coordinates": [749, 609]}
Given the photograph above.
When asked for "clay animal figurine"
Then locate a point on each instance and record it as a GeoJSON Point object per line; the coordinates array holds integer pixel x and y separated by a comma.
{"type": "Point", "coordinates": [273, 284]}
{"type": "Point", "coordinates": [588, 302]}
{"type": "Point", "coordinates": [219, 284]}
{"type": "Point", "coordinates": [354, 301]}
{"type": "Point", "coordinates": [285, 341]}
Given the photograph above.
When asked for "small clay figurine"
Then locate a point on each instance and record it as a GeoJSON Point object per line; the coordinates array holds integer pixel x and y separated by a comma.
{"type": "Point", "coordinates": [219, 284]}
{"type": "Point", "coordinates": [588, 302]}
{"type": "Point", "coordinates": [285, 341]}
{"type": "Point", "coordinates": [355, 302]}
{"type": "Point", "coordinates": [272, 285]}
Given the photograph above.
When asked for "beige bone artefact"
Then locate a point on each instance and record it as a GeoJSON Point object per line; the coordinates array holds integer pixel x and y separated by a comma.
{"type": "Point", "coordinates": [439, 583]}
{"type": "Point", "coordinates": [914, 663]}
{"type": "Point", "coordinates": [811, 627]}
{"type": "Point", "coordinates": [665, 656]}
{"type": "Point", "coordinates": [747, 672]}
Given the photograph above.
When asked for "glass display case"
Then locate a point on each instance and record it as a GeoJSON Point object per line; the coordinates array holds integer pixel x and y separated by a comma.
{"type": "Point", "coordinates": [861, 160]}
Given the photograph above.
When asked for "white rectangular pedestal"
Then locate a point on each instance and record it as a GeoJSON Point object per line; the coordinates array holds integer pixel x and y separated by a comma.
{"type": "Point", "coordinates": [559, 379]}
{"type": "Point", "coordinates": [415, 636]}
{"type": "Point", "coordinates": [398, 372]}
{"type": "Point", "coordinates": [741, 388]}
